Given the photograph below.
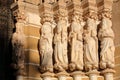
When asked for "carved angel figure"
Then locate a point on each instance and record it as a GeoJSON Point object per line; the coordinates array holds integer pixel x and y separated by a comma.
{"type": "Point", "coordinates": [76, 42]}
{"type": "Point", "coordinates": [106, 36]}
{"type": "Point", "coordinates": [91, 44]}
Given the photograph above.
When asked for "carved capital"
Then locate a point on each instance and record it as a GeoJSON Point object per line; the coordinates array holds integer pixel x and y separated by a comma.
{"type": "Point", "coordinates": [47, 17]}
{"type": "Point", "coordinates": [20, 16]}
{"type": "Point", "coordinates": [61, 15]}
{"type": "Point", "coordinates": [18, 11]}
{"type": "Point", "coordinates": [105, 13]}
{"type": "Point", "coordinates": [91, 14]}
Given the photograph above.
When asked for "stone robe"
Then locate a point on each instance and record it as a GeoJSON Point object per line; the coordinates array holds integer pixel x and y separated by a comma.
{"type": "Point", "coordinates": [106, 36]}
{"type": "Point", "coordinates": [90, 45]}
{"type": "Point", "coordinates": [46, 50]}
{"type": "Point", "coordinates": [76, 42]}
{"type": "Point", "coordinates": [60, 49]}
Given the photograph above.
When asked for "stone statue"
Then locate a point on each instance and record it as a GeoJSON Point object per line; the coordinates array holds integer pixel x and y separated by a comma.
{"type": "Point", "coordinates": [46, 49]}
{"type": "Point", "coordinates": [60, 41]}
{"type": "Point", "coordinates": [18, 42]}
{"type": "Point", "coordinates": [106, 36]}
{"type": "Point", "coordinates": [91, 43]}
{"type": "Point", "coordinates": [76, 42]}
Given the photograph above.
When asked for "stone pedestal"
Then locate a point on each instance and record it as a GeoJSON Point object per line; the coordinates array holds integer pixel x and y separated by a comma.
{"type": "Point", "coordinates": [19, 77]}
{"type": "Point", "coordinates": [77, 75]}
{"type": "Point", "coordinates": [47, 76]}
{"type": "Point", "coordinates": [93, 75]}
{"type": "Point", "coordinates": [62, 75]}
{"type": "Point", "coordinates": [108, 74]}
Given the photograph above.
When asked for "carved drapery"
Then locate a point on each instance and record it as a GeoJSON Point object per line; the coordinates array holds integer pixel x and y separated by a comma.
{"type": "Point", "coordinates": [75, 36]}
{"type": "Point", "coordinates": [91, 43]}
{"type": "Point", "coordinates": [60, 38]}
{"type": "Point", "coordinates": [46, 38]}
{"type": "Point", "coordinates": [46, 49]}
{"type": "Point", "coordinates": [106, 36]}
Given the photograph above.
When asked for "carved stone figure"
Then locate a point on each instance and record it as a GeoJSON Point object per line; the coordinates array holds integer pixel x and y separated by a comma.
{"type": "Point", "coordinates": [106, 36]}
{"type": "Point", "coordinates": [60, 41]}
{"type": "Point", "coordinates": [76, 42]}
{"type": "Point", "coordinates": [46, 50]}
{"type": "Point", "coordinates": [91, 43]}
{"type": "Point", "coordinates": [18, 42]}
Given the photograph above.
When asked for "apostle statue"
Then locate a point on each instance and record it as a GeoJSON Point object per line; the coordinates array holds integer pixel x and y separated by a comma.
{"type": "Point", "coordinates": [60, 41]}
{"type": "Point", "coordinates": [46, 49]}
{"type": "Point", "coordinates": [76, 42]}
{"type": "Point", "coordinates": [91, 42]}
{"type": "Point", "coordinates": [106, 37]}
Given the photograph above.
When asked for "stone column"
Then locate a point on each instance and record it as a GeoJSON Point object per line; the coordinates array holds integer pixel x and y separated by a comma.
{"type": "Point", "coordinates": [75, 37]}
{"type": "Point", "coordinates": [18, 39]}
{"type": "Point", "coordinates": [46, 39]}
{"type": "Point", "coordinates": [60, 38]}
{"type": "Point", "coordinates": [106, 37]}
{"type": "Point", "coordinates": [90, 39]}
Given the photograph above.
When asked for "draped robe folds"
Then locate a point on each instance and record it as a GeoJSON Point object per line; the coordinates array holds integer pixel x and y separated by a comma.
{"type": "Point", "coordinates": [18, 42]}
{"type": "Point", "coordinates": [76, 42]}
{"type": "Point", "coordinates": [106, 36]}
{"type": "Point", "coordinates": [91, 46]}
{"type": "Point", "coordinates": [18, 49]}
{"type": "Point", "coordinates": [46, 50]}
{"type": "Point", "coordinates": [60, 49]}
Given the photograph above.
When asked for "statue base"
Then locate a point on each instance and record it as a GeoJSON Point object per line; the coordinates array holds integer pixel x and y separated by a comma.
{"type": "Point", "coordinates": [108, 74]}
{"type": "Point", "coordinates": [77, 75]}
{"type": "Point", "coordinates": [47, 76]}
{"type": "Point", "coordinates": [62, 75]}
{"type": "Point", "coordinates": [93, 75]}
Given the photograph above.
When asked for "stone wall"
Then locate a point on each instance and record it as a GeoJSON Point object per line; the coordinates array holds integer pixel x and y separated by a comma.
{"type": "Point", "coordinates": [116, 28]}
